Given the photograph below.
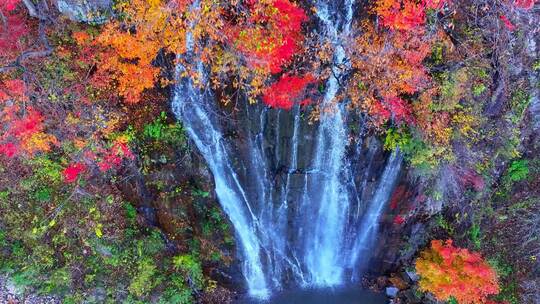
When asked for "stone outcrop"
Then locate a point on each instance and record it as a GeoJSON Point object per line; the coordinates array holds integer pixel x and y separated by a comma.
{"type": "Point", "coordinates": [89, 11]}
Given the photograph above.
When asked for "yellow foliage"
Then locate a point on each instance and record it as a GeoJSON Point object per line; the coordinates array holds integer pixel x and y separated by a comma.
{"type": "Point", "coordinates": [38, 142]}
{"type": "Point", "coordinates": [466, 124]}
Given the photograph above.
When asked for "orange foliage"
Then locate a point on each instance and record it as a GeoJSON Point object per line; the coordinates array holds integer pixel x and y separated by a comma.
{"type": "Point", "coordinates": [447, 271]}
{"type": "Point", "coordinates": [264, 38]}
{"type": "Point", "coordinates": [389, 66]}
{"type": "Point", "coordinates": [127, 48]}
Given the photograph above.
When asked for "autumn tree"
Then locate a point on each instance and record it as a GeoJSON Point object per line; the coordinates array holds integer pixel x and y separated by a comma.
{"type": "Point", "coordinates": [23, 126]}
{"type": "Point", "coordinates": [448, 271]}
{"type": "Point", "coordinates": [270, 35]}
{"type": "Point", "coordinates": [405, 15]}
{"type": "Point", "coordinates": [261, 41]}
{"type": "Point", "coordinates": [287, 91]}
{"type": "Point", "coordinates": [130, 45]}
{"type": "Point", "coordinates": [12, 28]}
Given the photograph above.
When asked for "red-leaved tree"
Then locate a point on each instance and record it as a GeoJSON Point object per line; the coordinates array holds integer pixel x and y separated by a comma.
{"type": "Point", "coordinates": [287, 91]}
{"type": "Point", "coordinates": [271, 35]}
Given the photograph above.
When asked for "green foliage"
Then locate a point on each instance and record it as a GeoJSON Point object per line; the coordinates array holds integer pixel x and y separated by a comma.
{"type": "Point", "coordinates": [158, 141]}
{"type": "Point", "coordinates": [177, 292]}
{"type": "Point", "coordinates": [519, 102]}
{"type": "Point", "coordinates": [503, 269]}
{"type": "Point", "coordinates": [3, 240]}
{"type": "Point", "coordinates": [522, 205]}
{"type": "Point", "coordinates": [161, 130]}
{"type": "Point", "coordinates": [509, 293]}
{"type": "Point", "coordinates": [200, 193]}
{"type": "Point", "coordinates": [189, 265]}
{"type": "Point", "coordinates": [479, 89]}
{"type": "Point", "coordinates": [536, 65]}
{"type": "Point", "coordinates": [55, 73]}
{"type": "Point", "coordinates": [452, 86]}
{"type": "Point", "coordinates": [475, 235]}
{"type": "Point", "coordinates": [396, 138]}
{"type": "Point", "coordinates": [444, 224]}
{"type": "Point", "coordinates": [510, 148]}
{"type": "Point", "coordinates": [518, 170]}
{"type": "Point", "coordinates": [4, 195]}
{"type": "Point", "coordinates": [144, 279]}
{"type": "Point", "coordinates": [58, 282]}
{"type": "Point", "coordinates": [418, 153]}
{"type": "Point", "coordinates": [46, 170]}
{"type": "Point", "coordinates": [43, 194]}
{"type": "Point", "coordinates": [437, 54]}
{"type": "Point", "coordinates": [41, 253]}
{"type": "Point", "coordinates": [150, 245]}
{"type": "Point", "coordinates": [131, 212]}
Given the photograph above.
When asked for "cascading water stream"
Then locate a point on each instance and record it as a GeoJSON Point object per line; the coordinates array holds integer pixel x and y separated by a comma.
{"type": "Point", "coordinates": [193, 107]}
{"type": "Point", "coordinates": [289, 187]}
{"type": "Point", "coordinates": [323, 257]}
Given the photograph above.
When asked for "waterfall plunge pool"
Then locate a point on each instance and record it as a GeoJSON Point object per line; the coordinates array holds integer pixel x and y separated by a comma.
{"type": "Point", "coordinates": [348, 295]}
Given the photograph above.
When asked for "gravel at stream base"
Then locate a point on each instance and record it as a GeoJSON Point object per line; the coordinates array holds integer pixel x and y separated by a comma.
{"type": "Point", "coordinates": [10, 294]}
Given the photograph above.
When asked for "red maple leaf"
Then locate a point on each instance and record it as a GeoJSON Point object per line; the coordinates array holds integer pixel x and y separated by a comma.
{"type": "Point", "coordinates": [12, 28]}
{"type": "Point", "coordinates": [398, 220]}
{"type": "Point", "coordinates": [15, 87]}
{"type": "Point", "coordinates": [115, 156]}
{"type": "Point", "coordinates": [509, 25]}
{"type": "Point", "coordinates": [72, 172]}
{"type": "Point", "coordinates": [276, 38]}
{"type": "Point", "coordinates": [10, 5]}
{"type": "Point", "coordinates": [287, 91]}
{"type": "Point", "coordinates": [8, 149]}
{"type": "Point", "coordinates": [399, 108]}
{"type": "Point", "coordinates": [28, 125]}
{"type": "Point", "coordinates": [525, 4]}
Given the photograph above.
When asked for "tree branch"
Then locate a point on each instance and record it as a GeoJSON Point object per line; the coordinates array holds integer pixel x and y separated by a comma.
{"type": "Point", "coordinates": [32, 10]}
{"type": "Point", "coordinates": [18, 63]}
{"type": "Point", "coordinates": [3, 19]}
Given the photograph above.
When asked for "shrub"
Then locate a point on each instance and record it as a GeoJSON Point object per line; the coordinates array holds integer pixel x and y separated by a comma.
{"type": "Point", "coordinates": [448, 271]}
{"type": "Point", "coordinates": [518, 171]}
{"type": "Point", "coordinates": [191, 267]}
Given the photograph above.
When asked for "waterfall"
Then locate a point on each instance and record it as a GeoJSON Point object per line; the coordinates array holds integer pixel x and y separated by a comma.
{"type": "Point", "coordinates": [324, 247]}
{"type": "Point", "coordinates": [288, 187]}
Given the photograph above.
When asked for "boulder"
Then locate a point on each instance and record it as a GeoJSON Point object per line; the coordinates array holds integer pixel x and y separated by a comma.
{"type": "Point", "coordinates": [412, 276]}
{"type": "Point", "coordinates": [392, 291]}
{"type": "Point", "coordinates": [89, 11]}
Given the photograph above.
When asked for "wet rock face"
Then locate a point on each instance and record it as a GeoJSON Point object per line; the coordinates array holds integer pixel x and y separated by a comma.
{"type": "Point", "coordinates": [89, 11]}
{"type": "Point", "coordinates": [534, 51]}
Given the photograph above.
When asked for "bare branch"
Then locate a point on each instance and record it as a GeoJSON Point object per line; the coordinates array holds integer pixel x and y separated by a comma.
{"type": "Point", "coordinates": [3, 19]}
{"type": "Point", "coordinates": [31, 54]}
{"type": "Point", "coordinates": [31, 8]}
